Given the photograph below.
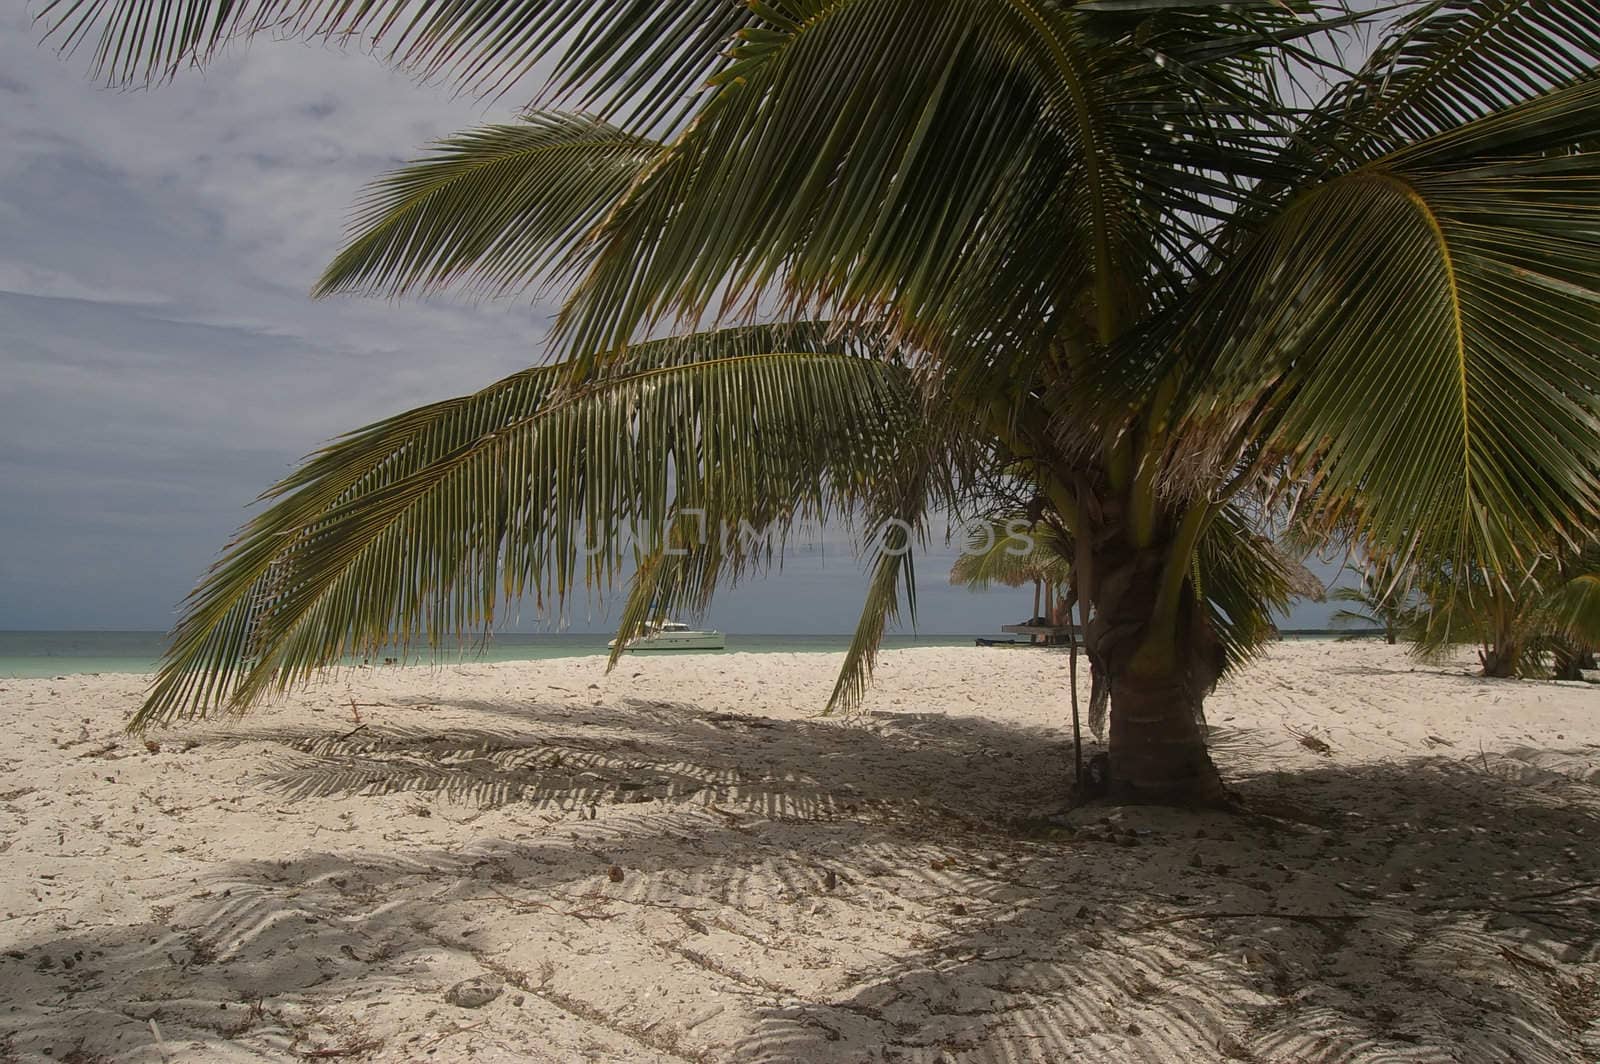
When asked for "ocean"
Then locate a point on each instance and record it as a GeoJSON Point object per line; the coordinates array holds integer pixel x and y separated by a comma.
{"type": "Point", "coordinates": [35, 654]}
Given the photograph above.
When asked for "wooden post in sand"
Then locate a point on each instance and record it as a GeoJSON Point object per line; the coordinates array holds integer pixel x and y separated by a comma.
{"type": "Point", "coordinates": [1038, 588]}
{"type": "Point", "coordinates": [1072, 681]}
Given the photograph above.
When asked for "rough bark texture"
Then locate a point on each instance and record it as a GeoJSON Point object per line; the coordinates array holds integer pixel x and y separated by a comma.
{"type": "Point", "coordinates": [1158, 741]}
{"type": "Point", "coordinates": [1500, 661]}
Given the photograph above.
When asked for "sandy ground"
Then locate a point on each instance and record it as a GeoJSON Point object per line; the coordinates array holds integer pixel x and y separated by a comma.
{"type": "Point", "coordinates": [683, 861]}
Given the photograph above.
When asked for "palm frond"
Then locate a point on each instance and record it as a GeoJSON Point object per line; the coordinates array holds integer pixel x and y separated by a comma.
{"type": "Point", "coordinates": [499, 207]}
{"type": "Point", "coordinates": [1422, 336]}
{"type": "Point", "coordinates": [1352, 618]}
{"type": "Point", "coordinates": [895, 512]}
{"type": "Point", "coordinates": [418, 526]}
{"type": "Point", "coordinates": [1572, 610]}
{"type": "Point", "coordinates": [641, 61]}
{"type": "Point", "coordinates": [931, 462]}
{"type": "Point", "coordinates": [892, 579]}
{"type": "Point", "coordinates": [1385, 596]}
{"type": "Point", "coordinates": [1449, 63]}
{"type": "Point", "coordinates": [1026, 177]}
{"type": "Point", "coordinates": [1244, 579]}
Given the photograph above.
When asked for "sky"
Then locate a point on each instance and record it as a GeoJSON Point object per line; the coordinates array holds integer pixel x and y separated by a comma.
{"type": "Point", "coordinates": [161, 362]}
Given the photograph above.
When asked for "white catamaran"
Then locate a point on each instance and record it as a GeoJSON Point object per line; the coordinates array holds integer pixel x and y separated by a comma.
{"type": "Point", "coordinates": [674, 635]}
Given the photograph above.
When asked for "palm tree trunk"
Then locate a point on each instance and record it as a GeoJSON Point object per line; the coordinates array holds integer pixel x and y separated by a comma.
{"type": "Point", "coordinates": [1500, 660]}
{"type": "Point", "coordinates": [1157, 683]}
{"type": "Point", "coordinates": [1566, 666]}
{"type": "Point", "coordinates": [1158, 742]}
{"type": "Point", "coordinates": [1502, 652]}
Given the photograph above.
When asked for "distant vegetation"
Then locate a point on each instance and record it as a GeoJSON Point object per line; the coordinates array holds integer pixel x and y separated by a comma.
{"type": "Point", "coordinates": [1540, 622]}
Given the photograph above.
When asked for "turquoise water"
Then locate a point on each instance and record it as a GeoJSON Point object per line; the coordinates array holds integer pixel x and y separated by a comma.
{"type": "Point", "coordinates": [33, 654]}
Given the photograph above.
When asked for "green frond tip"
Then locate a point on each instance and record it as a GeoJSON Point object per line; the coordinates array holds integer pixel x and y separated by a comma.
{"type": "Point", "coordinates": [1572, 610]}
{"type": "Point", "coordinates": [893, 578]}
{"type": "Point", "coordinates": [1448, 62]}
{"type": "Point", "coordinates": [1420, 332]}
{"type": "Point", "coordinates": [1246, 581]}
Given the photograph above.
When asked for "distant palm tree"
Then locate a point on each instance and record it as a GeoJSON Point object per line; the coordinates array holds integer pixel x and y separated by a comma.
{"type": "Point", "coordinates": [1571, 621]}
{"type": "Point", "coordinates": [1532, 624]}
{"type": "Point", "coordinates": [1041, 557]}
{"type": "Point", "coordinates": [1103, 240]}
{"type": "Point", "coordinates": [1382, 601]}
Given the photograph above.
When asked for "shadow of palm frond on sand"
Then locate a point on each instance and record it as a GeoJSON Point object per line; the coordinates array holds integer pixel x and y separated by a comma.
{"type": "Point", "coordinates": [654, 882]}
{"type": "Point", "coordinates": [574, 760]}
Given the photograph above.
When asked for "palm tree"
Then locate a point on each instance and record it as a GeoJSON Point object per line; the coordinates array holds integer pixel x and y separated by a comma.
{"type": "Point", "coordinates": [1530, 624]}
{"type": "Point", "coordinates": [1380, 601]}
{"type": "Point", "coordinates": [1014, 558]}
{"type": "Point", "coordinates": [1571, 621]}
{"type": "Point", "coordinates": [1106, 241]}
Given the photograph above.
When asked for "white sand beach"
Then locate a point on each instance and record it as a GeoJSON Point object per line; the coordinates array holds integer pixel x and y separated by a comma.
{"type": "Point", "coordinates": [684, 861]}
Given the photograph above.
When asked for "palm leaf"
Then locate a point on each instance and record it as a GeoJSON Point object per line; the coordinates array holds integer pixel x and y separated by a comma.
{"type": "Point", "coordinates": [1572, 610]}
{"type": "Point", "coordinates": [1023, 166]}
{"type": "Point", "coordinates": [1423, 334]}
{"type": "Point", "coordinates": [895, 512]}
{"type": "Point", "coordinates": [1347, 618]}
{"type": "Point", "coordinates": [644, 61]}
{"type": "Point", "coordinates": [1005, 561]}
{"type": "Point", "coordinates": [1245, 580]}
{"type": "Point", "coordinates": [932, 461]}
{"type": "Point", "coordinates": [1451, 62]}
{"type": "Point", "coordinates": [419, 525]}
{"type": "Point", "coordinates": [498, 206]}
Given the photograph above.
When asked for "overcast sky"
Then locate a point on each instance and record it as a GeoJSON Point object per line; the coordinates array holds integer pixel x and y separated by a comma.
{"type": "Point", "coordinates": [161, 363]}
